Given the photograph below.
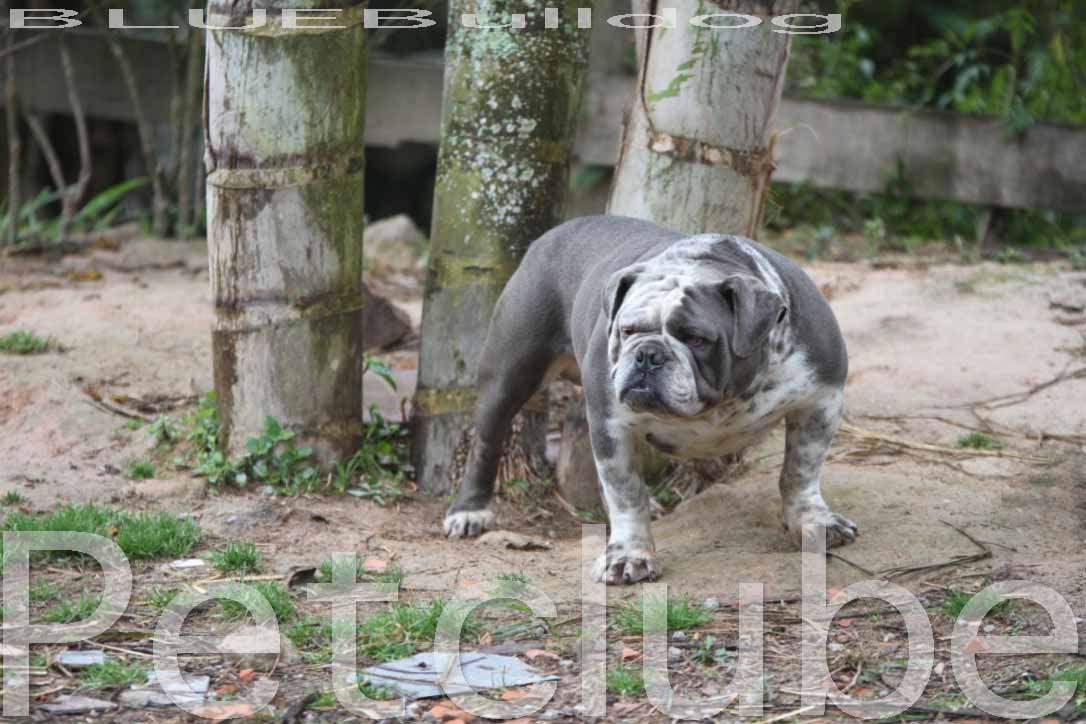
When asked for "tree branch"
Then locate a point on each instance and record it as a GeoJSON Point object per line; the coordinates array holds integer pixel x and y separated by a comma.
{"type": "Point", "coordinates": [15, 144]}
{"type": "Point", "coordinates": [155, 171]}
{"type": "Point", "coordinates": [75, 194]}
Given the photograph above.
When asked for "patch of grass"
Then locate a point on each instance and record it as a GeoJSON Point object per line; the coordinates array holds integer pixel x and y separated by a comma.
{"type": "Point", "coordinates": [164, 432]}
{"type": "Point", "coordinates": [43, 591]}
{"type": "Point", "coordinates": [1078, 261]}
{"type": "Point", "coordinates": [112, 675]}
{"type": "Point", "coordinates": [237, 557]}
{"type": "Point", "coordinates": [708, 653]}
{"type": "Point", "coordinates": [144, 536]}
{"type": "Point", "coordinates": [12, 497]}
{"type": "Point", "coordinates": [681, 614]}
{"type": "Point", "coordinates": [141, 535]}
{"type": "Point", "coordinates": [271, 459]}
{"type": "Point", "coordinates": [510, 584]}
{"type": "Point", "coordinates": [956, 601]}
{"type": "Point", "coordinates": [159, 597]}
{"type": "Point", "coordinates": [139, 470]}
{"type": "Point", "coordinates": [404, 628]}
{"type": "Point", "coordinates": [278, 598]}
{"type": "Point", "coordinates": [596, 515]}
{"type": "Point", "coordinates": [1075, 675]}
{"type": "Point", "coordinates": [24, 342]}
{"type": "Point", "coordinates": [392, 575]}
{"type": "Point", "coordinates": [1011, 255]}
{"type": "Point", "coordinates": [68, 611]}
{"type": "Point", "coordinates": [979, 441]}
{"type": "Point", "coordinates": [311, 637]}
{"type": "Point", "coordinates": [376, 470]}
{"type": "Point", "coordinates": [325, 700]}
{"type": "Point", "coordinates": [625, 682]}
{"type": "Point", "coordinates": [132, 425]}
{"type": "Point", "coordinates": [377, 693]}
{"type": "Point", "coordinates": [515, 488]}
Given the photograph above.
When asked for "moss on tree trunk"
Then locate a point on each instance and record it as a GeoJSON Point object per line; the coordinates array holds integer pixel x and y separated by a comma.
{"type": "Point", "coordinates": [509, 115]}
{"type": "Point", "coordinates": [284, 151]}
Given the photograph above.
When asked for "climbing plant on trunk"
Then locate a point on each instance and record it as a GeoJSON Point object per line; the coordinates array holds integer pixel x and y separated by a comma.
{"type": "Point", "coordinates": [510, 110]}
{"type": "Point", "coordinates": [697, 149]}
{"type": "Point", "coordinates": [284, 129]}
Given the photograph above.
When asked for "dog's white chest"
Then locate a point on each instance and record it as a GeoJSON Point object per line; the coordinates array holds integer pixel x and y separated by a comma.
{"type": "Point", "coordinates": [735, 424]}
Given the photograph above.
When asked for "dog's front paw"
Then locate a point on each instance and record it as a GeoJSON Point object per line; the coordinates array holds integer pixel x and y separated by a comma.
{"type": "Point", "coordinates": [467, 523]}
{"type": "Point", "coordinates": [624, 563]}
{"type": "Point", "coordinates": [839, 529]}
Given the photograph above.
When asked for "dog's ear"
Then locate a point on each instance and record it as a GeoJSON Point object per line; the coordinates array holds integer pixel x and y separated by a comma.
{"type": "Point", "coordinates": [755, 311]}
{"type": "Point", "coordinates": [615, 292]}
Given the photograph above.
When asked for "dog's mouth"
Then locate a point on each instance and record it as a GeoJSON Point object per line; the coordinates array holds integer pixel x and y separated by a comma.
{"type": "Point", "coordinates": [639, 394]}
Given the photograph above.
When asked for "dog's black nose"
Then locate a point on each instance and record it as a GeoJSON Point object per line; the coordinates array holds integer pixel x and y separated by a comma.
{"type": "Point", "coordinates": [650, 356]}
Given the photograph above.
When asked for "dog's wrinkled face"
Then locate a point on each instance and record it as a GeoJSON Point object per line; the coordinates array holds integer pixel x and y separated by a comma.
{"type": "Point", "coordinates": [681, 340]}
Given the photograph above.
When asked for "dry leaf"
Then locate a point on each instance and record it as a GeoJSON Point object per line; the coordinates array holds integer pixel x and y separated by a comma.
{"type": "Point", "coordinates": [533, 654]}
{"type": "Point", "coordinates": [219, 712]}
{"type": "Point", "coordinates": [87, 275]}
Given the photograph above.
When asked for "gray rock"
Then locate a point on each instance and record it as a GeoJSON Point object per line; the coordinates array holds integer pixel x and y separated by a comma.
{"type": "Point", "coordinates": [180, 685]}
{"type": "Point", "coordinates": [678, 636]}
{"type": "Point", "coordinates": [65, 704]}
{"type": "Point", "coordinates": [147, 698]}
{"type": "Point", "coordinates": [384, 324]}
{"type": "Point", "coordinates": [80, 659]}
{"type": "Point", "coordinates": [392, 242]}
{"type": "Point", "coordinates": [711, 604]}
{"type": "Point", "coordinates": [254, 647]}
{"type": "Point", "coordinates": [674, 653]}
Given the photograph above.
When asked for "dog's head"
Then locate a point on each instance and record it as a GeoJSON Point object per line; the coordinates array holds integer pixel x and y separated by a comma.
{"type": "Point", "coordinates": [680, 341]}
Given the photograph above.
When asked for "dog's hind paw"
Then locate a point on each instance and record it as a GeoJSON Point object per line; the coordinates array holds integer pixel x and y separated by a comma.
{"type": "Point", "coordinates": [467, 523]}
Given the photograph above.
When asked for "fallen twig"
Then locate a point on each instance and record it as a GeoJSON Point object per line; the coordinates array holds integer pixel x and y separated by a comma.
{"type": "Point", "coordinates": [1015, 398]}
{"type": "Point", "coordinates": [870, 436]}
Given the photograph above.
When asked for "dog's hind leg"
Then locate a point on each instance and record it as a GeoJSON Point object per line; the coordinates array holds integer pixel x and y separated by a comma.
{"type": "Point", "coordinates": [512, 369]}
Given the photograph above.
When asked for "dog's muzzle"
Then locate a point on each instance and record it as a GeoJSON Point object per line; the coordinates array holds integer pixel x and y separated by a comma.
{"type": "Point", "coordinates": [638, 390]}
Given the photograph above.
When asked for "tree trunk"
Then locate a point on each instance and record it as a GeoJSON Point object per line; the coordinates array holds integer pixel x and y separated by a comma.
{"type": "Point", "coordinates": [284, 115]}
{"type": "Point", "coordinates": [697, 150]}
{"type": "Point", "coordinates": [510, 110]}
{"type": "Point", "coordinates": [186, 169]}
{"type": "Point", "coordinates": [15, 143]}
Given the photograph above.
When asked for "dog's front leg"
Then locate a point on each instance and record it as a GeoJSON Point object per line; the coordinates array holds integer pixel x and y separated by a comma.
{"type": "Point", "coordinates": [631, 551]}
{"type": "Point", "coordinates": [809, 433]}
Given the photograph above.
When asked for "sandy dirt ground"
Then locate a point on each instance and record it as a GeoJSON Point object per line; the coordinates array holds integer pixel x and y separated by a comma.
{"type": "Point", "coordinates": [936, 352]}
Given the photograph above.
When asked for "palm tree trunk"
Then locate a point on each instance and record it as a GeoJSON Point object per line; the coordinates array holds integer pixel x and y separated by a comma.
{"type": "Point", "coordinates": [697, 151]}
{"type": "Point", "coordinates": [284, 131]}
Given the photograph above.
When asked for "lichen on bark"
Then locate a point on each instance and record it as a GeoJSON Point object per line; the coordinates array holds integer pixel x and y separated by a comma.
{"type": "Point", "coordinates": [510, 110]}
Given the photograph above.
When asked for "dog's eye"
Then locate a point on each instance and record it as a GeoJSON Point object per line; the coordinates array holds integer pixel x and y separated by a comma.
{"type": "Point", "coordinates": [695, 342]}
{"type": "Point", "coordinates": [627, 331]}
